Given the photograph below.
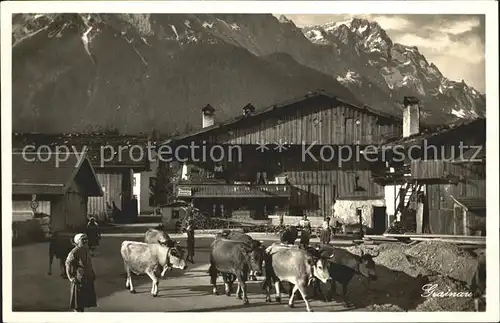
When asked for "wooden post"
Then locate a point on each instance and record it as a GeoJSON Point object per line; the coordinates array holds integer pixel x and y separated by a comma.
{"type": "Point", "coordinates": [455, 219]}
{"type": "Point", "coordinates": [466, 229]}
{"type": "Point", "coordinates": [360, 217]}
{"type": "Point", "coordinates": [420, 216]}
{"type": "Point", "coordinates": [324, 202]}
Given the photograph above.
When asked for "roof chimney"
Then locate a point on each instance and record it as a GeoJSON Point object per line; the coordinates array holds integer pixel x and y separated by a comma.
{"type": "Point", "coordinates": [208, 116]}
{"type": "Point", "coordinates": [248, 109]}
{"type": "Point", "coordinates": [411, 116]}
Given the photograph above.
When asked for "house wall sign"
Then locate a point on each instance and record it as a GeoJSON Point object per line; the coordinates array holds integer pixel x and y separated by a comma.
{"type": "Point", "coordinates": [34, 203]}
{"type": "Point", "coordinates": [184, 192]}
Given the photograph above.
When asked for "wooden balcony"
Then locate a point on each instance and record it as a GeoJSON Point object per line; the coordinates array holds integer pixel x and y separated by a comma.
{"type": "Point", "coordinates": [214, 190]}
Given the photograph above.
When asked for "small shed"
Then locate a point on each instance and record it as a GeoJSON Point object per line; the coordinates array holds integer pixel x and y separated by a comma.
{"type": "Point", "coordinates": [173, 214]}
{"type": "Point", "coordinates": [54, 185]}
{"type": "Point", "coordinates": [472, 213]}
{"type": "Point", "coordinates": [114, 161]}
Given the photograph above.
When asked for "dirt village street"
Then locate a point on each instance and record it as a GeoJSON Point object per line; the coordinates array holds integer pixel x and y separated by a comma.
{"type": "Point", "coordinates": [179, 292]}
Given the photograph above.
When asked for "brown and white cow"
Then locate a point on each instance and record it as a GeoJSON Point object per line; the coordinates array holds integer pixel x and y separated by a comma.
{"type": "Point", "coordinates": [296, 266]}
{"type": "Point", "coordinates": [144, 258]}
{"type": "Point", "coordinates": [156, 235]}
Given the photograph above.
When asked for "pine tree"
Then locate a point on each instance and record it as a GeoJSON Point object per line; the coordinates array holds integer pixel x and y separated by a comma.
{"type": "Point", "coordinates": [163, 190]}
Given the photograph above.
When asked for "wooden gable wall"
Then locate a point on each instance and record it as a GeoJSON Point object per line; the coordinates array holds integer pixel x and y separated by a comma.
{"type": "Point", "coordinates": [472, 184]}
{"type": "Point", "coordinates": [316, 185]}
{"type": "Point", "coordinates": [69, 210]}
{"type": "Point", "coordinates": [317, 120]}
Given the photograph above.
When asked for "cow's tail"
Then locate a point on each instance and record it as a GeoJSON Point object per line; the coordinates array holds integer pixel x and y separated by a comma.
{"type": "Point", "coordinates": [51, 255]}
{"type": "Point", "coordinates": [212, 265]}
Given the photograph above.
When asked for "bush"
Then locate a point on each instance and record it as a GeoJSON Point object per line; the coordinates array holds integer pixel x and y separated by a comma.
{"type": "Point", "coordinates": [396, 228]}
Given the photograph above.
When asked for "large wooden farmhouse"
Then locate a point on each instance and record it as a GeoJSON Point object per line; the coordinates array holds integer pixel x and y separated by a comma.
{"type": "Point", "coordinates": [286, 160]}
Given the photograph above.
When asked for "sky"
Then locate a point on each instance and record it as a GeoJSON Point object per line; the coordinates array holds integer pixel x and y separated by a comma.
{"type": "Point", "coordinates": [454, 43]}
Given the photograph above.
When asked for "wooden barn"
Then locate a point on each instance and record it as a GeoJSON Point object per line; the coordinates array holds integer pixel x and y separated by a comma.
{"type": "Point", "coordinates": [60, 192]}
{"type": "Point", "coordinates": [440, 185]}
{"type": "Point", "coordinates": [285, 161]}
{"type": "Point", "coordinates": [117, 173]}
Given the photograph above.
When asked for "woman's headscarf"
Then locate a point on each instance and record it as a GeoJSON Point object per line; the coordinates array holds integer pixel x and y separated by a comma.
{"type": "Point", "coordinates": [79, 237]}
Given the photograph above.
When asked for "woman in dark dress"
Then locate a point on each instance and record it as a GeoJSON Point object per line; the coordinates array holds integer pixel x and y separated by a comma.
{"type": "Point", "coordinates": [93, 234]}
{"type": "Point", "coordinates": [325, 231]}
{"type": "Point", "coordinates": [81, 275]}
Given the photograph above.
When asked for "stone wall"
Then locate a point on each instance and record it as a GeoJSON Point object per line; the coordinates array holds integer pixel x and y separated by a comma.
{"type": "Point", "coordinates": [345, 211]}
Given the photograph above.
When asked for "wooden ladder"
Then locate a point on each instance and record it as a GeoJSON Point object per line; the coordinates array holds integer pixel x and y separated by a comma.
{"type": "Point", "coordinates": [406, 195]}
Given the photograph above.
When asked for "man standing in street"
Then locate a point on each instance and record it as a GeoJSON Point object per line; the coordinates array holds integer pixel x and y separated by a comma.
{"type": "Point", "coordinates": [190, 239]}
{"type": "Point", "coordinates": [93, 234]}
{"type": "Point", "coordinates": [305, 235]}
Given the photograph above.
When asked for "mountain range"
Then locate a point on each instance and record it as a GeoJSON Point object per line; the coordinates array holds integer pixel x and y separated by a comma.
{"type": "Point", "coordinates": [135, 73]}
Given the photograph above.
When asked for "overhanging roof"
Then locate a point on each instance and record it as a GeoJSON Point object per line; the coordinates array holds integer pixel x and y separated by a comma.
{"type": "Point", "coordinates": [284, 105]}
{"type": "Point", "coordinates": [98, 146]}
{"type": "Point", "coordinates": [435, 133]}
{"type": "Point", "coordinates": [40, 174]}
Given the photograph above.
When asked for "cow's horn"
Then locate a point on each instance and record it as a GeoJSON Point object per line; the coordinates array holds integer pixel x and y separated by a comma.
{"type": "Point", "coordinates": [376, 254]}
{"type": "Point", "coordinates": [331, 256]}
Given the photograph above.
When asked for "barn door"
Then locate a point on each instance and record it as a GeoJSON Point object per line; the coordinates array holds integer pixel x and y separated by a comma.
{"type": "Point", "coordinates": [58, 215]}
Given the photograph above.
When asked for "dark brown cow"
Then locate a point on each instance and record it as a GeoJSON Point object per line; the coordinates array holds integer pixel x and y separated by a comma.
{"type": "Point", "coordinates": [343, 265]}
{"type": "Point", "coordinates": [240, 236]}
{"type": "Point", "coordinates": [59, 246]}
{"type": "Point", "coordinates": [289, 235]}
{"type": "Point", "coordinates": [233, 258]}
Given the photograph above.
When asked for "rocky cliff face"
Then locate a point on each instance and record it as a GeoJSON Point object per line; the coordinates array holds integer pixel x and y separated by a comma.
{"type": "Point", "coordinates": [135, 73]}
{"type": "Point", "coordinates": [363, 48]}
